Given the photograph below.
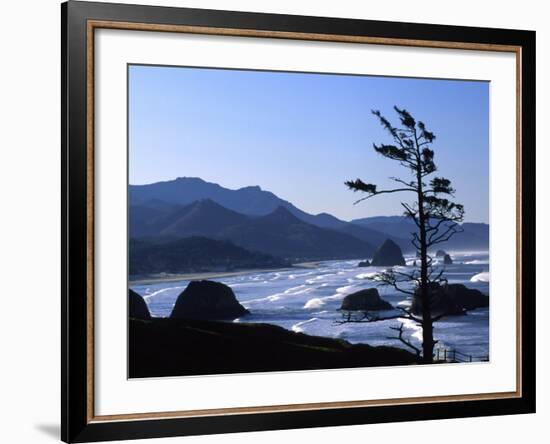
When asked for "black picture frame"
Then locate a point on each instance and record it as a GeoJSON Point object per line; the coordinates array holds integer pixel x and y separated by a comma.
{"type": "Point", "coordinates": [76, 423]}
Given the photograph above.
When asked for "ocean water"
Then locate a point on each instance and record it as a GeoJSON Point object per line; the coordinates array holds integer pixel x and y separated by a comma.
{"type": "Point", "coordinates": [307, 299]}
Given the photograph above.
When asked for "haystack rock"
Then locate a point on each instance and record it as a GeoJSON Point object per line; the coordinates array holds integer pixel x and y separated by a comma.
{"type": "Point", "coordinates": [365, 300]}
{"type": "Point", "coordinates": [451, 299]}
{"type": "Point", "coordinates": [137, 307]}
{"type": "Point", "coordinates": [207, 300]}
{"type": "Point", "coordinates": [388, 254]}
{"type": "Point", "coordinates": [440, 253]}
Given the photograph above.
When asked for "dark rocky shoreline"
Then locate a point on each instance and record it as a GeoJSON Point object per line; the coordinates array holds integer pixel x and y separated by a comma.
{"type": "Point", "coordinates": [179, 347]}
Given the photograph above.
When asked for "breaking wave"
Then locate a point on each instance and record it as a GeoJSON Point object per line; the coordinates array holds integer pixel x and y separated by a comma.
{"type": "Point", "coordinates": [481, 277]}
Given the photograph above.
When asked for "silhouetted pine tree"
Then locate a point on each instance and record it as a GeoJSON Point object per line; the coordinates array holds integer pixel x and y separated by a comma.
{"type": "Point", "coordinates": [436, 217]}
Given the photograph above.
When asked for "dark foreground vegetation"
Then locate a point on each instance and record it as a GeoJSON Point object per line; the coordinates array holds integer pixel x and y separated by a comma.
{"type": "Point", "coordinates": [194, 254]}
{"type": "Point", "coordinates": [178, 347]}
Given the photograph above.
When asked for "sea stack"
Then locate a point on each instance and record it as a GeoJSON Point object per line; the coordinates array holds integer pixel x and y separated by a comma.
{"type": "Point", "coordinates": [207, 300]}
{"type": "Point", "coordinates": [365, 300]}
{"type": "Point", "coordinates": [447, 260]}
{"type": "Point", "coordinates": [137, 307]}
{"type": "Point", "coordinates": [451, 299]}
{"type": "Point", "coordinates": [387, 255]}
{"type": "Point", "coordinates": [364, 264]}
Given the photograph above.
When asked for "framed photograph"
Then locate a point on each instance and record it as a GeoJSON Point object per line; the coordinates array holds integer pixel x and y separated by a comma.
{"type": "Point", "coordinates": [275, 221]}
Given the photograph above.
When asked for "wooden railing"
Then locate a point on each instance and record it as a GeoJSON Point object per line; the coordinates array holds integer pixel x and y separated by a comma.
{"type": "Point", "coordinates": [453, 355]}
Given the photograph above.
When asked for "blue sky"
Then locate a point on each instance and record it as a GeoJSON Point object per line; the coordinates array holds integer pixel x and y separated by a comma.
{"type": "Point", "coordinates": [301, 135]}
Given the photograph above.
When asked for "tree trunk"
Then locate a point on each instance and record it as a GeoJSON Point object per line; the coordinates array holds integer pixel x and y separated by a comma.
{"type": "Point", "coordinates": [427, 325]}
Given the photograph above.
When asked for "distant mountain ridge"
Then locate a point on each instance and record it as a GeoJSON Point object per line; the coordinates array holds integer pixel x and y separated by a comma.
{"type": "Point", "coordinates": [249, 201]}
{"type": "Point", "coordinates": [279, 233]}
{"type": "Point", "coordinates": [475, 235]}
{"type": "Point", "coordinates": [282, 234]}
{"type": "Point", "coordinates": [260, 221]}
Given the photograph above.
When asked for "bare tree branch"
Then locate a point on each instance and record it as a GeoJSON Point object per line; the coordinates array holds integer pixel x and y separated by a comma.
{"type": "Point", "coordinates": [365, 317]}
{"type": "Point", "coordinates": [376, 193]}
{"type": "Point", "coordinates": [445, 236]}
{"type": "Point", "coordinates": [403, 340]}
{"type": "Point", "coordinates": [389, 278]}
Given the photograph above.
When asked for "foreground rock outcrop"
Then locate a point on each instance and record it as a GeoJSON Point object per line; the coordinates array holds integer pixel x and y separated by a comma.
{"type": "Point", "coordinates": [207, 300]}
{"type": "Point", "coordinates": [137, 307]}
{"type": "Point", "coordinates": [388, 254]}
{"type": "Point", "coordinates": [452, 299]}
{"type": "Point", "coordinates": [365, 300]}
{"type": "Point", "coordinates": [364, 264]}
{"type": "Point", "coordinates": [178, 347]}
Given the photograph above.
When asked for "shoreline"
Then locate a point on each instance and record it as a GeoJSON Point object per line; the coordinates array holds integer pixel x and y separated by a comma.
{"type": "Point", "coordinates": [154, 279]}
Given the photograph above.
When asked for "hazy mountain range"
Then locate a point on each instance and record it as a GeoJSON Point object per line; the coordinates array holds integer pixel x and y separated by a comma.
{"type": "Point", "coordinates": [264, 224]}
{"type": "Point", "coordinates": [279, 233]}
{"type": "Point", "coordinates": [251, 201]}
{"type": "Point", "coordinates": [474, 237]}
